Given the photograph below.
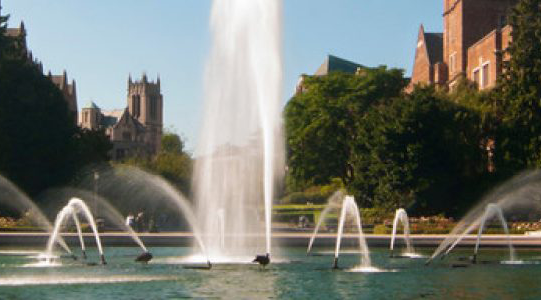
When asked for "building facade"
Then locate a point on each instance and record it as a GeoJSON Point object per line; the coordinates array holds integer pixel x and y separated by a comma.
{"type": "Point", "coordinates": [68, 90]}
{"type": "Point", "coordinates": [135, 130]}
{"type": "Point", "coordinates": [475, 34]}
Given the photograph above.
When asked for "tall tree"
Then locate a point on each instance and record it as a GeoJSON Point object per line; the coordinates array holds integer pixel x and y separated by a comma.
{"type": "Point", "coordinates": [519, 145]}
{"type": "Point", "coordinates": [321, 123]}
{"type": "Point", "coordinates": [419, 151]}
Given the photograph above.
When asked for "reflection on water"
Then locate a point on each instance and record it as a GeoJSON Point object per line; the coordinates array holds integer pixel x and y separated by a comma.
{"type": "Point", "coordinates": [298, 277]}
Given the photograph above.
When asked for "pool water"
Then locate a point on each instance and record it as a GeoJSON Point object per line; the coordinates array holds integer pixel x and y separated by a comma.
{"type": "Point", "coordinates": [296, 276]}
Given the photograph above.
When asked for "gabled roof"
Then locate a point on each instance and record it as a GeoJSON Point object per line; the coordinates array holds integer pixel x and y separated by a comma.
{"type": "Point", "coordinates": [127, 119]}
{"type": "Point", "coordinates": [334, 63]}
{"type": "Point", "coordinates": [434, 46]}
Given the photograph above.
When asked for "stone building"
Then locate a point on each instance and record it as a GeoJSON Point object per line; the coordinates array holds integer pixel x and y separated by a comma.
{"type": "Point", "coordinates": [69, 92]}
{"type": "Point", "coordinates": [135, 130]}
{"type": "Point", "coordinates": [61, 81]}
{"type": "Point", "coordinates": [474, 36]}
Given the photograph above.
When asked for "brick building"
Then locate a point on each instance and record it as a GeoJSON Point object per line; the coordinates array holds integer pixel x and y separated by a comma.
{"type": "Point", "coordinates": [474, 36]}
{"type": "Point", "coordinates": [135, 130]}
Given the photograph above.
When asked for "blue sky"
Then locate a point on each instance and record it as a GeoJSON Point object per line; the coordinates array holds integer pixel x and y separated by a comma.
{"type": "Point", "coordinates": [100, 42]}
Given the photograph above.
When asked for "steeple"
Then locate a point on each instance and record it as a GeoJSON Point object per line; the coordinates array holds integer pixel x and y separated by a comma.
{"type": "Point", "coordinates": [158, 81]}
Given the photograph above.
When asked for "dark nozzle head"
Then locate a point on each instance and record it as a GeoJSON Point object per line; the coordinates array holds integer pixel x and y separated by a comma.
{"type": "Point", "coordinates": [145, 257]}
{"type": "Point", "coordinates": [102, 259]}
{"type": "Point", "coordinates": [262, 259]}
{"type": "Point", "coordinates": [73, 256]}
{"type": "Point", "coordinates": [335, 264]}
{"type": "Point", "coordinates": [473, 259]}
{"type": "Point", "coordinates": [84, 254]}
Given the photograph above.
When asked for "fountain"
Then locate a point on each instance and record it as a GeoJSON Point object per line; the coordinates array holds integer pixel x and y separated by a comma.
{"type": "Point", "coordinates": [518, 196]}
{"type": "Point", "coordinates": [74, 206]}
{"type": "Point", "coordinates": [334, 203]}
{"type": "Point", "coordinates": [239, 151]}
{"type": "Point", "coordinates": [402, 216]}
{"type": "Point", "coordinates": [491, 211]}
{"type": "Point", "coordinates": [107, 211]}
{"type": "Point", "coordinates": [12, 197]}
{"type": "Point", "coordinates": [349, 206]}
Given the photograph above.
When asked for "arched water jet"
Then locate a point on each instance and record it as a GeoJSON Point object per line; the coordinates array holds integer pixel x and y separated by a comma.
{"type": "Point", "coordinates": [74, 206]}
{"type": "Point", "coordinates": [334, 202]}
{"type": "Point", "coordinates": [491, 211]}
{"type": "Point", "coordinates": [402, 216]}
{"type": "Point", "coordinates": [350, 206]}
{"type": "Point", "coordinates": [21, 202]}
{"type": "Point", "coordinates": [79, 233]}
{"type": "Point", "coordinates": [522, 193]}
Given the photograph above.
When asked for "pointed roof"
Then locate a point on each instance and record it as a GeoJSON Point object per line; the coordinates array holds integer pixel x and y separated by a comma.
{"type": "Point", "coordinates": [128, 119]}
{"type": "Point", "coordinates": [334, 63]}
{"type": "Point", "coordinates": [90, 104]}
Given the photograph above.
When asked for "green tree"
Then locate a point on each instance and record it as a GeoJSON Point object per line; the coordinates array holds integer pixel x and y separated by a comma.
{"type": "Point", "coordinates": [321, 123]}
{"type": "Point", "coordinates": [519, 144]}
{"type": "Point", "coordinates": [420, 151]}
{"type": "Point", "coordinates": [171, 162]}
{"type": "Point", "coordinates": [40, 147]}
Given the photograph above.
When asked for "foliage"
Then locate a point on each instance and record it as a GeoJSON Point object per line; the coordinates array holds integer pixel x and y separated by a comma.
{"type": "Point", "coordinates": [520, 92]}
{"type": "Point", "coordinates": [171, 162]}
{"type": "Point", "coordinates": [40, 146]}
{"type": "Point", "coordinates": [419, 151]}
{"type": "Point", "coordinates": [321, 123]}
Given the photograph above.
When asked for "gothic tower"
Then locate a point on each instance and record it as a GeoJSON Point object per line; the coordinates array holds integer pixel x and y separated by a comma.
{"type": "Point", "coordinates": [145, 103]}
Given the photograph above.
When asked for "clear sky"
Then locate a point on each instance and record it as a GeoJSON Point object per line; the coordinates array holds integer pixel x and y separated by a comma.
{"type": "Point", "coordinates": [100, 42]}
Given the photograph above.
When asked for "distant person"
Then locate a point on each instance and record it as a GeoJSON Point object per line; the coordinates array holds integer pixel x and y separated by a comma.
{"type": "Point", "coordinates": [130, 220]}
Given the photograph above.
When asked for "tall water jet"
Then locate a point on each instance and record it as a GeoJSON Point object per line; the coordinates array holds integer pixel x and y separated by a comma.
{"type": "Point", "coordinates": [333, 203]}
{"type": "Point", "coordinates": [74, 206]}
{"type": "Point", "coordinates": [349, 206]}
{"type": "Point", "coordinates": [402, 216]}
{"type": "Point", "coordinates": [240, 151]}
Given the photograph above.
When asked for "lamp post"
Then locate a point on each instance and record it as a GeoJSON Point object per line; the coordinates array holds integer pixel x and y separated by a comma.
{"type": "Point", "coordinates": [96, 178]}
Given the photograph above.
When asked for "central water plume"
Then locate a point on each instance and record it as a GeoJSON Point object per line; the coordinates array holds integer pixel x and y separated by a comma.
{"type": "Point", "coordinates": [240, 152]}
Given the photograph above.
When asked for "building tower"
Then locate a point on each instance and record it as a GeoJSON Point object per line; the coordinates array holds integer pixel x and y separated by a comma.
{"type": "Point", "coordinates": [90, 116]}
{"type": "Point", "coordinates": [145, 103]}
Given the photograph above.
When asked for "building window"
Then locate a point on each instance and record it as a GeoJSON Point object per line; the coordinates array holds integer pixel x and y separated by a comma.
{"type": "Point", "coordinates": [136, 105]}
{"type": "Point", "coordinates": [452, 63]}
{"type": "Point", "coordinates": [477, 77]}
{"type": "Point", "coordinates": [485, 75]}
{"type": "Point", "coordinates": [153, 108]}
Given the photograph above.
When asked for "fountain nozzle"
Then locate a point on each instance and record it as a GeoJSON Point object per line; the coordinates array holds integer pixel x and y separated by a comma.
{"type": "Point", "coordinates": [145, 257]}
{"type": "Point", "coordinates": [73, 256]}
{"type": "Point", "coordinates": [102, 259]}
{"type": "Point", "coordinates": [474, 258]}
{"type": "Point", "coordinates": [335, 264]}
{"type": "Point", "coordinates": [84, 254]}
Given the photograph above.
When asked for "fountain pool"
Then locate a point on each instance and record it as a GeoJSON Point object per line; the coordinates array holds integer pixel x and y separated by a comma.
{"type": "Point", "coordinates": [297, 277]}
